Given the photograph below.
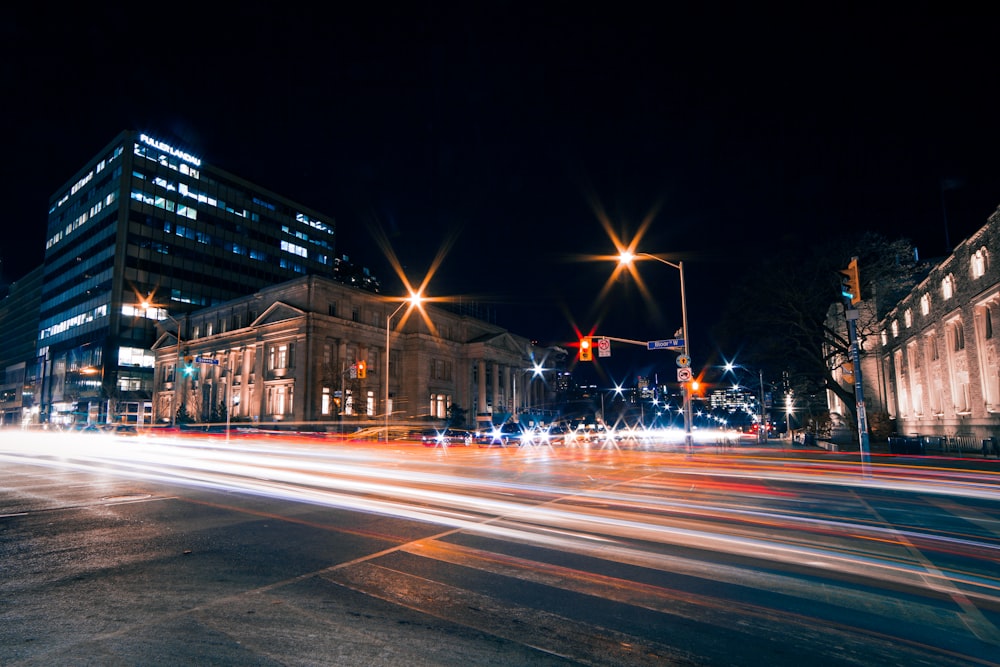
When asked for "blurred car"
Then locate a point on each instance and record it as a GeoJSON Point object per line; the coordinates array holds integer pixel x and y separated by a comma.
{"type": "Point", "coordinates": [510, 433]}
{"type": "Point", "coordinates": [556, 434]}
{"type": "Point", "coordinates": [432, 437]}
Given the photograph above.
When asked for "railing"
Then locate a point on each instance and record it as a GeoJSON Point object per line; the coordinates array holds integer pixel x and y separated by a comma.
{"type": "Point", "coordinates": [944, 444]}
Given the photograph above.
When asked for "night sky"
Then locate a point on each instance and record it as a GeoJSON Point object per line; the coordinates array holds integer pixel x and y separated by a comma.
{"type": "Point", "coordinates": [499, 135]}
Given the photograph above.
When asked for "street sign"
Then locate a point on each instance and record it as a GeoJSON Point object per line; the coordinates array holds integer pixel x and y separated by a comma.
{"type": "Point", "coordinates": [603, 347]}
{"type": "Point", "coordinates": [683, 360]}
{"type": "Point", "coordinates": [665, 344]}
{"type": "Point", "coordinates": [206, 360]}
{"type": "Point", "coordinates": [683, 374]}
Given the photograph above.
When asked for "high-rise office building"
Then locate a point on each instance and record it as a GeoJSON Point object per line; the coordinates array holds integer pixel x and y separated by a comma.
{"type": "Point", "coordinates": [145, 232]}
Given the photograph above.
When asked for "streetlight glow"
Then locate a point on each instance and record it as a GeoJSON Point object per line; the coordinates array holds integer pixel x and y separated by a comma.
{"type": "Point", "coordinates": [626, 258]}
{"type": "Point", "coordinates": [415, 300]}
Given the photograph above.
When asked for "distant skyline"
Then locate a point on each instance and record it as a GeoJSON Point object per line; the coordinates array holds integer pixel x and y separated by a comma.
{"type": "Point", "coordinates": [497, 138]}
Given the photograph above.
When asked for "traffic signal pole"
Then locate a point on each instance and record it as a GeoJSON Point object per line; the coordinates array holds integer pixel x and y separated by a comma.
{"type": "Point", "coordinates": [851, 291]}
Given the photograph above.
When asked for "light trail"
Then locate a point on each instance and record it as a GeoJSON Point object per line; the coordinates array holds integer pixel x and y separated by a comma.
{"type": "Point", "coordinates": [625, 507]}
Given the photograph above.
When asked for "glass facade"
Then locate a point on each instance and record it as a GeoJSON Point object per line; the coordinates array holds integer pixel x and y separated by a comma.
{"type": "Point", "coordinates": [147, 220]}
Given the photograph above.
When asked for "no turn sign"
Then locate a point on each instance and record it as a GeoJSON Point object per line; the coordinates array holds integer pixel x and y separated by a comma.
{"type": "Point", "coordinates": [684, 374]}
{"type": "Point", "coordinates": [603, 347]}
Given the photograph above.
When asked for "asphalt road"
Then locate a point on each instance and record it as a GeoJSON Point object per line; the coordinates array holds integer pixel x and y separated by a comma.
{"type": "Point", "coordinates": [206, 552]}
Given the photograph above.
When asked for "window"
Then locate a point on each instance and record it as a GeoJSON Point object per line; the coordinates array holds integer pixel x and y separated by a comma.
{"type": "Point", "coordinates": [957, 335]}
{"type": "Point", "coordinates": [279, 356]}
{"type": "Point", "coordinates": [439, 405]}
{"type": "Point", "coordinates": [980, 261]}
{"type": "Point", "coordinates": [925, 304]}
{"type": "Point", "coordinates": [916, 388]}
{"type": "Point", "coordinates": [441, 370]}
{"type": "Point", "coordinates": [902, 394]}
{"type": "Point", "coordinates": [331, 310]}
{"type": "Point", "coordinates": [948, 286]}
{"type": "Point", "coordinates": [908, 318]}
{"type": "Point", "coordinates": [279, 399]}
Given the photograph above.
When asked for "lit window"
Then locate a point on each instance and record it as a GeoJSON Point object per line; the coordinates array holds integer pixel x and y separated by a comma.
{"type": "Point", "coordinates": [980, 260]}
{"type": "Point", "coordinates": [948, 286]}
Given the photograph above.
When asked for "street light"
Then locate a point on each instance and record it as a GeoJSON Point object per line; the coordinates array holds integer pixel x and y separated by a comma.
{"type": "Point", "coordinates": [146, 306]}
{"type": "Point", "coordinates": [762, 430]}
{"type": "Point", "coordinates": [413, 301]}
{"type": "Point", "coordinates": [625, 258]}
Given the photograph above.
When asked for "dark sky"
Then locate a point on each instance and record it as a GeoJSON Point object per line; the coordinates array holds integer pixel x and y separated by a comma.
{"type": "Point", "coordinates": [501, 132]}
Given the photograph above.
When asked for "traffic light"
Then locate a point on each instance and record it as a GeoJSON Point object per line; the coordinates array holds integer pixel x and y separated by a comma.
{"type": "Point", "coordinates": [847, 372]}
{"type": "Point", "coordinates": [188, 366]}
{"type": "Point", "coordinates": [850, 283]}
{"type": "Point", "coordinates": [586, 349]}
{"type": "Point", "coordinates": [362, 369]}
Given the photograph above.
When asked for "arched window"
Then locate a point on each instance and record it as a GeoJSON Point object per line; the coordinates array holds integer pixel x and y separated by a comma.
{"type": "Point", "coordinates": [980, 262]}
{"type": "Point", "coordinates": [957, 336]}
{"type": "Point", "coordinates": [948, 286]}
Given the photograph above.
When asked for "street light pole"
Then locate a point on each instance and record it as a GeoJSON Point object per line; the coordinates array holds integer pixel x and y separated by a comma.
{"type": "Point", "coordinates": [626, 258]}
{"type": "Point", "coordinates": [413, 301]}
{"type": "Point", "coordinates": [146, 305]}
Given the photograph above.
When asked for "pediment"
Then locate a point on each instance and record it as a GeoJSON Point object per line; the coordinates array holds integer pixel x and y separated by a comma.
{"type": "Point", "coordinates": [502, 342]}
{"type": "Point", "coordinates": [278, 312]}
{"type": "Point", "coordinates": [166, 339]}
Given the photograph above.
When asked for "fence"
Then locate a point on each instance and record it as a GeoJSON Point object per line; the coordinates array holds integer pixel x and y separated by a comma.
{"type": "Point", "coordinates": [945, 444]}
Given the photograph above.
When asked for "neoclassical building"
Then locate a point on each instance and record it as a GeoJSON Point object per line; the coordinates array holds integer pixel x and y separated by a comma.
{"type": "Point", "coordinates": [290, 354]}
{"type": "Point", "coordinates": [940, 348]}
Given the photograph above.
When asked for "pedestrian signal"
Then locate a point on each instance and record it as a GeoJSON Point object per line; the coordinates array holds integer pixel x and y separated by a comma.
{"type": "Point", "coordinates": [847, 372]}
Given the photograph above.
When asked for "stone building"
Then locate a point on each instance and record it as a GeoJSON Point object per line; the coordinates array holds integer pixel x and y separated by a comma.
{"type": "Point", "coordinates": [939, 351]}
{"type": "Point", "coordinates": [290, 354]}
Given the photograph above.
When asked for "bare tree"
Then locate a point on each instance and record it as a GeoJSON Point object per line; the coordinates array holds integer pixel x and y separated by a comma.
{"type": "Point", "coordinates": [779, 311]}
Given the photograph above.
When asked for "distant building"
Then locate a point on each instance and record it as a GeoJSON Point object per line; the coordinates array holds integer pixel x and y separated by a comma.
{"type": "Point", "coordinates": [148, 221]}
{"type": "Point", "coordinates": [289, 355]}
{"type": "Point", "coordinates": [18, 365]}
{"type": "Point", "coordinates": [939, 356]}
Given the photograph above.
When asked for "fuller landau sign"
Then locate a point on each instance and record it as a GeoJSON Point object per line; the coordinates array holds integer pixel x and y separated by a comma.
{"type": "Point", "coordinates": [665, 344]}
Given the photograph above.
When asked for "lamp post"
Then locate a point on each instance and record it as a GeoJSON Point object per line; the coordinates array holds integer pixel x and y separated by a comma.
{"type": "Point", "coordinates": [146, 305]}
{"type": "Point", "coordinates": [413, 301]}
{"type": "Point", "coordinates": [626, 258]}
